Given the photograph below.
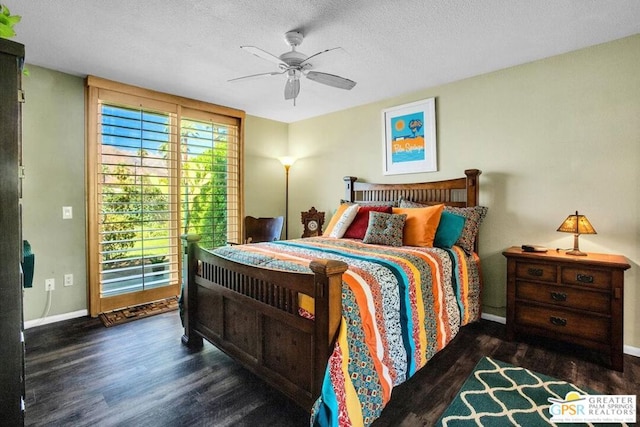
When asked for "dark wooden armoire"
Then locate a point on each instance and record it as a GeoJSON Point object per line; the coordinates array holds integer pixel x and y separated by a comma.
{"type": "Point", "coordinates": [11, 317]}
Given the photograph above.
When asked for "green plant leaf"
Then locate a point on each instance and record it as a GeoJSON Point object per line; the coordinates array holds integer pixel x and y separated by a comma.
{"type": "Point", "coordinates": [7, 22]}
{"type": "Point", "coordinates": [6, 32]}
{"type": "Point", "coordinates": [13, 20]}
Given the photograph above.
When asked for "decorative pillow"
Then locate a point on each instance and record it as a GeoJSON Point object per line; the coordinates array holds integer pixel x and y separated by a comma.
{"type": "Point", "coordinates": [336, 216]}
{"type": "Point", "coordinates": [385, 229]}
{"type": "Point", "coordinates": [391, 203]}
{"type": "Point", "coordinates": [449, 229]}
{"type": "Point", "coordinates": [344, 221]}
{"type": "Point", "coordinates": [405, 203]}
{"type": "Point", "coordinates": [421, 224]}
{"type": "Point", "coordinates": [474, 216]}
{"type": "Point", "coordinates": [358, 227]}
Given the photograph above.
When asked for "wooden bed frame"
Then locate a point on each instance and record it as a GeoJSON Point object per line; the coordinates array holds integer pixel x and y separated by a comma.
{"type": "Point", "coordinates": [251, 313]}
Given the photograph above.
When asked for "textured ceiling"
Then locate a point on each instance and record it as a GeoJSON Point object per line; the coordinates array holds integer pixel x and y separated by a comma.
{"type": "Point", "coordinates": [192, 48]}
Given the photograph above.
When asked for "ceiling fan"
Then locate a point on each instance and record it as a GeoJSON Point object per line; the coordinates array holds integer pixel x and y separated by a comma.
{"type": "Point", "coordinates": [295, 64]}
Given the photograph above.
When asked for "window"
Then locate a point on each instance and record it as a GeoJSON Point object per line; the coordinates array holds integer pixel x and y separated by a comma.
{"type": "Point", "coordinates": [210, 173]}
{"type": "Point", "coordinates": [158, 166]}
{"type": "Point", "coordinates": [138, 246]}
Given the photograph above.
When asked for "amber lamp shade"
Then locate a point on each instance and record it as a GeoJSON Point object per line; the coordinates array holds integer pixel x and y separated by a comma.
{"type": "Point", "coordinates": [576, 224]}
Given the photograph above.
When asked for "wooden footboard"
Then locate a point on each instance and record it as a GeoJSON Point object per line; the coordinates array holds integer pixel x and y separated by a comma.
{"type": "Point", "coordinates": [251, 314]}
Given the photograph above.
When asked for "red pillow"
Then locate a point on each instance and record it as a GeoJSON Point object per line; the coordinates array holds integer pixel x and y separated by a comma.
{"type": "Point", "coordinates": [358, 227]}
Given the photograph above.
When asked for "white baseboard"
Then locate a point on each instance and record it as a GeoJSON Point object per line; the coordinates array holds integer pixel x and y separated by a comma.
{"type": "Point", "coordinates": [632, 351]}
{"type": "Point", "coordinates": [494, 318]}
{"type": "Point", "coordinates": [627, 349]}
{"type": "Point", "coordinates": [53, 319]}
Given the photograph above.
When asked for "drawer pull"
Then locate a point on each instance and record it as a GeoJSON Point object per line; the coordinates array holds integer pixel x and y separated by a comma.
{"type": "Point", "coordinates": [558, 321]}
{"type": "Point", "coordinates": [584, 278]}
{"type": "Point", "coordinates": [535, 272]}
{"type": "Point", "coordinates": [558, 296]}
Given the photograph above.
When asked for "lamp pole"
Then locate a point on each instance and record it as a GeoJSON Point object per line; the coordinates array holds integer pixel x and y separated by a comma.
{"type": "Point", "coordinates": [286, 202]}
{"type": "Point", "coordinates": [286, 162]}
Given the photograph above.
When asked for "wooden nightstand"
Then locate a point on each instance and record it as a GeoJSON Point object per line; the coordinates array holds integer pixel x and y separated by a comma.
{"type": "Point", "coordinates": [576, 299]}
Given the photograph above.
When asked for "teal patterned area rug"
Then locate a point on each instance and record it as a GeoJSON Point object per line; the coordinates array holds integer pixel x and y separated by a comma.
{"type": "Point", "coordinates": [499, 394]}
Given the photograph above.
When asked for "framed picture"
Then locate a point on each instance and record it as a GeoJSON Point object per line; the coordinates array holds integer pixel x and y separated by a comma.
{"type": "Point", "coordinates": [410, 138]}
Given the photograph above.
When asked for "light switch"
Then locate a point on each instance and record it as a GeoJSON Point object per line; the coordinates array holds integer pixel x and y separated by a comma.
{"type": "Point", "coordinates": [67, 212]}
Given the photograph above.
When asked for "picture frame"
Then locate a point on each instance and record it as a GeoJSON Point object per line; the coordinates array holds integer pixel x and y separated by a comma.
{"type": "Point", "coordinates": [409, 140]}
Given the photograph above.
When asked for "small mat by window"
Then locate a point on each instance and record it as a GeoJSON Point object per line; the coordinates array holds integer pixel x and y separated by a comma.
{"type": "Point", "coordinates": [138, 312]}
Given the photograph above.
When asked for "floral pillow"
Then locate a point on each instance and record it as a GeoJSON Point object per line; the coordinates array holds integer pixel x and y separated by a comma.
{"type": "Point", "coordinates": [474, 216]}
{"type": "Point", "coordinates": [391, 203]}
{"type": "Point", "coordinates": [406, 203]}
{"type": "Point", "coordinates": [385, 229]}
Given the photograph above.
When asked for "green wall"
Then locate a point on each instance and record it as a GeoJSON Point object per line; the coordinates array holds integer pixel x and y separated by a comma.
{"type": "Point", "coordinates": [53, 156]}
{"type": "Point", "coordinates": [551, 137]}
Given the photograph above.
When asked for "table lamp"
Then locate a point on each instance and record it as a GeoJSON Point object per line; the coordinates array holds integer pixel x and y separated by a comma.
{"type": "Point", "coordinates": [576, 224]}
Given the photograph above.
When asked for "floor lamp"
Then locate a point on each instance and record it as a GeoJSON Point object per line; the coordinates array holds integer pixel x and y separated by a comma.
{"type": "Point", "coordinates": [286, 162]}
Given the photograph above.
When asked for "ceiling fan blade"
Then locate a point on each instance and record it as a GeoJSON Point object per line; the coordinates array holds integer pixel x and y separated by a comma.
{"type": "Point", "coordinates": [318, 54]}
{"type": "Point", "coordinates": [292, 89]}
{"type": "Point", "coordinates": [331, 80]}
{"type": "Point", "coordinates": [264, 55]}
{"type": "Point", "coordinates": [252, 76]}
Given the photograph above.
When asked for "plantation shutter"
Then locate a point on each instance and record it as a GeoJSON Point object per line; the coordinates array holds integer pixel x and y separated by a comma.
{"type": "Point", "coordinates": [158, 166]}
{"type": "Point", "coordinates": [210, 177]}
{"type": "Point", "coordinates": [139, 238]}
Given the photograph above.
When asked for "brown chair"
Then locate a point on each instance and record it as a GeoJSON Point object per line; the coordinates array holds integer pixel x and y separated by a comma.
{"type": "Point", "coordinates": [262, 229]}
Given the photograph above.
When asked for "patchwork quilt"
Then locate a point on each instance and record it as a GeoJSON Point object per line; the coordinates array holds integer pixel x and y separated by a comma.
{"type": "Point", "coordinates": [400, 305]}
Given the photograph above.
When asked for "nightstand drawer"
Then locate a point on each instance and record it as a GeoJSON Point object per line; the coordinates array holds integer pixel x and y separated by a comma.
{"type": "Point", "coordinates": [600, 279]}
{"type": "Point", "coordinates": [564, 296]}
{"type": "Point", "coordinates": [534, 271]}
{"type": "Point", "coordinates": [559, 321]}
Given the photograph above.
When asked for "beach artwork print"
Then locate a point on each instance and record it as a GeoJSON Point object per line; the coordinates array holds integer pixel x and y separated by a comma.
{"type": "Point", "coordinates": [407, 133]}
{"type": "Point", "coordinates": [410, 138]}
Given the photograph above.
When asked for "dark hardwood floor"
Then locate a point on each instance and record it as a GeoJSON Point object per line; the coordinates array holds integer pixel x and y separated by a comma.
{"type": "Point", "coordinates": [80, 373]}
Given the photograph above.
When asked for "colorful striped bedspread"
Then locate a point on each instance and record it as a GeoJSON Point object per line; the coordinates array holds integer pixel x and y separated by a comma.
{"type": "Point", "coordinates": [399, 307]}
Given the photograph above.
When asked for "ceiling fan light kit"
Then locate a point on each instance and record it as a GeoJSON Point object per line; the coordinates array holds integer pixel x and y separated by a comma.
{"type": "Point", "coordinates": [296, 64]}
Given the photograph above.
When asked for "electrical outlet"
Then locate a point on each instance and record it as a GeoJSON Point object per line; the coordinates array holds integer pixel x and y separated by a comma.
{"type": "Point", "coordinates": [50, 284]}
{"type": "Point", "coordinates": [68, 279]}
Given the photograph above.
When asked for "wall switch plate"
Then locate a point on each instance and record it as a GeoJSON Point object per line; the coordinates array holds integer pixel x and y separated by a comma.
{"type": "Point", "coordinates": [50, 284]}
{"type": "Point", "coordinates": [68, 279]}
{"type": "Point", "coordinates": [67, 212]}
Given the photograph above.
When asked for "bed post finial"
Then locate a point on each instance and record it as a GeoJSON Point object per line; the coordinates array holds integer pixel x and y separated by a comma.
{"type": "Point", "coordinates": [349, 194]}
{"type": "Point", "coordinates": [473, 188]}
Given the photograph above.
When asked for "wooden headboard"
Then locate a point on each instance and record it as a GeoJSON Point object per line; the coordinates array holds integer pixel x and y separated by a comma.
{"type": "Point", "coordinates": [460, 192]}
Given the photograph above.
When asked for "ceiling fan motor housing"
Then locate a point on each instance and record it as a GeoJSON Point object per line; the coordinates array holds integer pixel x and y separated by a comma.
{"type": "Point", "coordinates": [293, 58]}
{"type": "Point", "coordinates": [293, 38]}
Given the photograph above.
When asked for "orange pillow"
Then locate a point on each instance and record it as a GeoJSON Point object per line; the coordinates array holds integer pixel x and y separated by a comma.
{"type": "Point", "coordinates": [421, 224]}
{"type": "Point", "coordinates": [336, 217]}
